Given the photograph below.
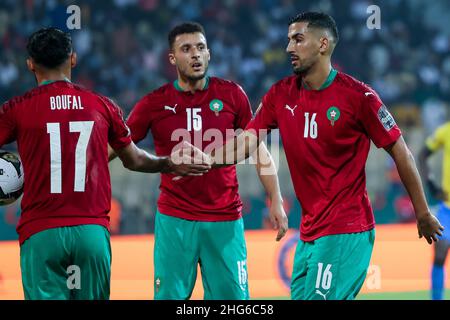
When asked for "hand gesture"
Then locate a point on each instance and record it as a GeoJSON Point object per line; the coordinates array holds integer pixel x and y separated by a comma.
{"type": "Point", "coordinates": [188, 160]}
{"type": "Point", "coordinates": [429, 227]}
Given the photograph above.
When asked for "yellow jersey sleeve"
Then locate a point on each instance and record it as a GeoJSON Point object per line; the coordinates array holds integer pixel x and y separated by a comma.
{"type": "Point", "coordinates": [439, 138]}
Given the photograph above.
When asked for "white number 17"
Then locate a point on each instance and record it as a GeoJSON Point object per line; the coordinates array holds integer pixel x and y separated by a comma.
{"type": "Point", "coordinates": [85, 130]}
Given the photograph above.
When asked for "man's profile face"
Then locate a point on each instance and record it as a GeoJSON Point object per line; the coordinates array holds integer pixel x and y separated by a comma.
{"type": "Point", "coordinates": [191, 56]}
{"type": "Point", "coordinates": [303, 47]}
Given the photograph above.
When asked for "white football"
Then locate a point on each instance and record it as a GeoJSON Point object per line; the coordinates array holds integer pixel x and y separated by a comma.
{"type": "Point", "coordinates": [11, 178]}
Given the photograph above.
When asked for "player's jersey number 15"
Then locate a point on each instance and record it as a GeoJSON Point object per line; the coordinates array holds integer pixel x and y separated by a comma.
{"type": "Point", "coordinates": [194, 119]}
{"type": "Point", "coordinates": [54, 130]}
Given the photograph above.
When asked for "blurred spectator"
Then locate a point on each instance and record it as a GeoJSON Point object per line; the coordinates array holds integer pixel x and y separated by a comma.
{"type": "Point", "coordinates": [434, 114]}
{"type": "Point", "coordinates": [123, 52]}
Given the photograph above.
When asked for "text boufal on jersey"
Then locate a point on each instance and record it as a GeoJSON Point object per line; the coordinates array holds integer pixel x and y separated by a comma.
{"type": "Point", "coordinates": [66, 102]}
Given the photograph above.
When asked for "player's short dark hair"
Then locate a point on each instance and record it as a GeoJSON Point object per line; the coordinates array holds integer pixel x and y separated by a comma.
{"type": "Point", "coordinates": [49, 47]}
{"type": "Point", "coordinates": [185, 27]}
{"type": "Point", "coordinates": [318, 20]}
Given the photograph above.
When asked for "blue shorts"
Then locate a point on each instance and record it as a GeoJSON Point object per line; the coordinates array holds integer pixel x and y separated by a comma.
{"type": "Point", "coordinates": [443, 214]}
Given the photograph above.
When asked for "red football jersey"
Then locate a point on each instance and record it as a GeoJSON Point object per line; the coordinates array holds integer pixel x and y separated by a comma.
{"type": "Point", "coordinates": [206, 118]}
{"type": "Point", "coordinates": [326, 135]}
{"type": "Point", "coordinates": [62, 132]}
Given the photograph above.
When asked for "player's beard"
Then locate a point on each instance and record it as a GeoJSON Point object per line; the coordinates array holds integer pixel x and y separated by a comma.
{"type": "Point", "coordinates": [302, 70]}
{"type": "Point", "coordinates": [197, 77]}
{"type": "Point", "coordinates": [306, 66]}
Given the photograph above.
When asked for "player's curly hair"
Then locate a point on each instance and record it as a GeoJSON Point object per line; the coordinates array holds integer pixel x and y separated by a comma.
{"type": "Point", "coordinates": [185, 27]}
{"type": "Point", "coordinates": [318, 20]}
{"type": "Point", "coordinates": [49, 47]}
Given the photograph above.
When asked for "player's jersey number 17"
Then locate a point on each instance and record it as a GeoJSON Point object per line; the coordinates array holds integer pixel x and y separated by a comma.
{"type": "Point", "coordinates": [84, 128]}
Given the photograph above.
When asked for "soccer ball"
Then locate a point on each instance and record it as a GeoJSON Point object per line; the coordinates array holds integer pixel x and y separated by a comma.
{"type": "Point", "coordinates": [11, 178]}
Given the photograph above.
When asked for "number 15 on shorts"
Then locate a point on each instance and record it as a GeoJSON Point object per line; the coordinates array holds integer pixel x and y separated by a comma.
{"type": "Point", "coordinates": [242, 274]}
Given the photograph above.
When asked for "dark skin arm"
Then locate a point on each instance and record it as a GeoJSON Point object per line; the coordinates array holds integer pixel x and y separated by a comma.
{"type": "Point", "coordinates": [186, 161]}
{"type": "Point", "coordinates": [111, 154]}
{"type": "Point", "coordinates": [428, 226]}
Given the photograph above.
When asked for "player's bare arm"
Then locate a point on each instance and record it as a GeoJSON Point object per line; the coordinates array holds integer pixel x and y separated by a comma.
{"type": "Point", "coordinates": [428, 226]}
{"type": "Point", "coordinates": [111, 154]}
{"type": "Point", "coordinates": [267, 173]}
{"type": "Point", "coordinates": [239, 149]}
{"type": "Point", "coordinates": [236, 150]}
{"type": "Point", "coordinates": [186, 161]}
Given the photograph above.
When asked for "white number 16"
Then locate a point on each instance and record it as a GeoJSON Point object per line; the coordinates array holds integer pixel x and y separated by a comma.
{"type": "Point", "coordinates": [324, 277]}
{"type": "Point", "coordinates": [310, 126]}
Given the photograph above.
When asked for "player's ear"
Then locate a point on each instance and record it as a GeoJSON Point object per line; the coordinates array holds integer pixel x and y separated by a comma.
{"type": "Point", "coordinates": [172, 58]}
{"type": "Point", "coordinates": [73, 60]}
{"type": "Point", "coordinates": [30, 65]}
{"type": "Point", "coordinates": [209, 54]}
{"type": "Point", "coordinates": [324, 45]}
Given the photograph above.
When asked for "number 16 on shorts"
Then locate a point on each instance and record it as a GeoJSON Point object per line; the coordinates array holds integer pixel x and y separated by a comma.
{"type": "Point", "coordinates": [323, 281]}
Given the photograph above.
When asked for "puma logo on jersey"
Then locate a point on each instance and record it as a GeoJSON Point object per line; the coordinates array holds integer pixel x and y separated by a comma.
{"type": "Point", "coordinates": [291, 109]}
{"type": "Point", "coordinates": [321, 294]}
{"type": "Point", "coordinates": [171, 108]}
{"type": "Point", "coordinates": [368, 94]}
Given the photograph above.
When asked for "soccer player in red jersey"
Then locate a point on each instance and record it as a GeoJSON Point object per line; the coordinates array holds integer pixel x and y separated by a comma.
{"type": "Point", "coordinates": [62, 131]}
{"type": "Point", "coordinates": [327, 120]}
{"type": "Point", "coordinates": [199, 219]}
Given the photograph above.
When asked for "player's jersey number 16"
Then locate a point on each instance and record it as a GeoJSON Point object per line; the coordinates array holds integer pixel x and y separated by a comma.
{"type": "Point", "coordinates": [310, 126]}
{"type": "Point", "coordinates": [84, 128]}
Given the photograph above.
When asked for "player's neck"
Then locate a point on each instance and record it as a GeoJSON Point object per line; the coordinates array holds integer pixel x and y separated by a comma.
{"type": "Point", "coordinates": [317, 76]}
{"type": "Point", "coordinates": [52, 77]}
{"type": "Point", "coordinates": [191, 86]}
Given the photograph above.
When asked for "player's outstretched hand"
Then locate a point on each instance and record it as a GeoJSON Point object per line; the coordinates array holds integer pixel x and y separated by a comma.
{"type": "Point", "coordinates": [279, 219]}
{"type": "Point", "coordinates": [189, 160]}
{"type": "Point", "coordinates": [429, 227]}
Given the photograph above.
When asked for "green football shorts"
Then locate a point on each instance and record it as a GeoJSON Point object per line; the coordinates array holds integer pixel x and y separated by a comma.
{"type": "Point", "coordinates": [218, 247]}
{"type": "Point", "coordinates": [332, 267]}
{"type": "Point", "coordinates": [67, 263]}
